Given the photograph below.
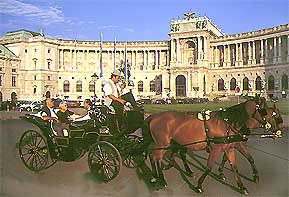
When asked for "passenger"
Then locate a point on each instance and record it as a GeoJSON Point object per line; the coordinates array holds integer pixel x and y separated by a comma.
{"type": "Point", "coordinates": [47, 112]}
{"type": "Point", "coordinates": [112, 100]}
{"type": "Point", "coordinates": [64, 113]}
{"type": "Point", "coordinates": [86, 105]}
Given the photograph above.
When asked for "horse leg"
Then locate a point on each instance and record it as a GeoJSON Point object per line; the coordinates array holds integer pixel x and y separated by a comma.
{"type": "Point", "coordinates": [221, 167]}
{"type": "Point", "coordinates": [244, 151]}
{"type": "Point", "coordinates": [213, 156]}
{"type": "Point", "coordinates": [183, 153]}
{"type": "Point", "coordinates": [157, 173]}
{"type": "Point", "coordinates": [231, 157]}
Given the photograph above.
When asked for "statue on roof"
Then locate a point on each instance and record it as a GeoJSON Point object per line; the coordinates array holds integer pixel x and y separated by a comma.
{"type": "Point", "coordinates": [189, 15]}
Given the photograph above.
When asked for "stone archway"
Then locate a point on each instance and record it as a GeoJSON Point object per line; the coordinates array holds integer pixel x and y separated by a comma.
{"type": "Point", "coordinates": [180, 86]}
{"type": "Point", "coordinates": [48, 94]}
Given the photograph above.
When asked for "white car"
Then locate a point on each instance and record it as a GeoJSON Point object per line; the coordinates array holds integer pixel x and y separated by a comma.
{"type": "Point", "coordinates": [31, 105]}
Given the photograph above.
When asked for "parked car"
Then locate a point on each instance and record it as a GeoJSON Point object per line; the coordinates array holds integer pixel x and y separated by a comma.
{"type": "Point", "coordinates": [73, 103]}
{"type": "Point", "coordinates": [30, 105]}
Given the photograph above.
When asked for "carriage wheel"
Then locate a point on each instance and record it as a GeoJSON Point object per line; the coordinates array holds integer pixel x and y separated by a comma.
{"type": "Point", "coordinates": [104, 161]}
{"type": "Point", "coordinates": [33, 150]}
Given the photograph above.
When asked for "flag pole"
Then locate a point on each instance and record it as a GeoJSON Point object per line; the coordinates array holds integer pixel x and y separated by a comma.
{"type": "Point", "coordinates": [114, 52]}
{"type": "Point", "coordinates": [125, 64]}
{"type": "Point", "coordinates": [100, 58]}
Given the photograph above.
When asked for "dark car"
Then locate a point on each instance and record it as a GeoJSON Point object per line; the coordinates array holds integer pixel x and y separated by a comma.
{"type": "Point", "coordinates": [73, 103]}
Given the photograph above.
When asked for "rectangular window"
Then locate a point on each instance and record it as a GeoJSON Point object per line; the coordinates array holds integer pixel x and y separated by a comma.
{"type": "Point", "coordinates": [48, 65]}
{"type": "Point", "coordinates": [48, 78]}
{"type": "Point", "coordinates": [13, 81]}
{"type": "Point", "coordinates": [48, 51]}
{"type": "Point", "coordinates": [13, 70]}
{"type": "Point", "coordinates": [0, 80]}
{"type": "Point", "coordinates": [26, 50]}
{"type": "Point", "coordinates": [34, 77]}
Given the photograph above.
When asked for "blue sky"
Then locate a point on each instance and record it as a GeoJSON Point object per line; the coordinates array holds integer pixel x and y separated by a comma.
{"type": "Point", "coordinates": [135, 20]}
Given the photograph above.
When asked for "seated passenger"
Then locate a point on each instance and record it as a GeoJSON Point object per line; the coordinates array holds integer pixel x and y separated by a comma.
{"type": "Point", "coordinates": [86, 105]}
{"type": "Point", "coordinates": [64, 117]}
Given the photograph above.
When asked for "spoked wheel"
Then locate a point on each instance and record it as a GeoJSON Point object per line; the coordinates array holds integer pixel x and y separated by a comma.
{"type": "Point", "coordinates": [104, 161]}
{"type": "Point", "coordinates": [136, 156]}
{"type": "Point", "coordinates": [33, 150]}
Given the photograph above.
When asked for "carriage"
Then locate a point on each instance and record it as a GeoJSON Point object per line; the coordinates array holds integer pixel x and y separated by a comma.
{"type": "Point", "coordinates": [107, 147]}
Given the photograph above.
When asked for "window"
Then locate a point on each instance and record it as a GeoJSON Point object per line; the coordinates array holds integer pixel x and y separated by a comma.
{"type": "Point", "coordinates": [233, 84]}
{"type": "Point", "coordinates": [25, 50]}
{"type": "Point", "coordinates": [258, 83]}
{"type": "Point", "coordinates": [48, 78]}
{"type": "Point", "coordinates": [91, 86]}
{"type": "Point", "coordinates": [221, 85]}
{"type": "Point", "coordinates": [152, 86]}
{"type": "Point", "coordinates": [0, 80]}
{"type": "Point", "coordinates": [35, 50]}
{"type": "Point", "coordinates": [0, 51]}
{"type": "Point", "coordinates": [48, 51]}
{"type": "Point", "coordinates": [271, 85]}
{"type": "Point", "coordinates": [13, 70]}
{"type": "Point", "coordinates": [48, 65]}
{"type": "Point", "coordinates": [245, 83]}
{"type": "Point", "coordinates": [284, 82]}
{"type": "Point", "coordinates": [140, 86]}
{"type": "Point", "coordinates": [66, 86]}
{"type": "Point", "coordinates": [78, 86]}
{"type": "Point", "coordinates": [35, 77]}
{"type": "Point", "coordinates": [13, 81]}
{"type": "Point", "coordinates": [34, 90]}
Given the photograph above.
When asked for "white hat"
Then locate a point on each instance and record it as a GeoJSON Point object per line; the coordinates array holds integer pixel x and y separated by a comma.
{"type": "Point", "coordinates": [116, 72]}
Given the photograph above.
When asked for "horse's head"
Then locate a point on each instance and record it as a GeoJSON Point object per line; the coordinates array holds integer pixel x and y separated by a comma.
{"type": "Point", "coordinates": [274, 120]}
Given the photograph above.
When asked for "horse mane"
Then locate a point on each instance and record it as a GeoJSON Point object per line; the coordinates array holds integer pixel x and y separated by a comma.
{"type": "Point", "coordinates": [235, 115]}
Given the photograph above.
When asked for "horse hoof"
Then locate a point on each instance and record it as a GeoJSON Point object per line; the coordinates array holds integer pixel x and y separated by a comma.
{"type": "Point", "coordinates": [245, 191]}
{"type": "Point", "coordinates": [200, 190]}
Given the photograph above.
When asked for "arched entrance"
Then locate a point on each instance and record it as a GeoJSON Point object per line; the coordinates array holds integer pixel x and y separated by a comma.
{"type": "Point", "coordinates": [47, 94]}
{"type": "Point", "coordinates": [180, 86]}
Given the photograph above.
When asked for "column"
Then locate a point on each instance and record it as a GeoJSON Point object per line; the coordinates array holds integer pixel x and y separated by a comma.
{"type": "Point", "coordinates": [148, 59]}
{"type": "Point", "coordinates": [177, 49]}
{"type": "Point", "coordinates": [71, 63]}
{"type": "Point", "coordinates": [205, 49]}
{"type": "Point", "coordinates": [199, 49]}
{"type": "Point", "coordinates": [87, 59]}
{"type": "Point", "coordinates": [279, 50]}
{"type": "Point", "coordinates": [237, 55]}
{"type": "Point", "coordinates": [275, 50]}
{"type": "Point", "coordinates": [253, 53]}
{"type": "Point", "coordinates": [241, 54]}
{"type": "Point", "coordinates": [172, 50]}
{"type": "Point", "coordinates": [266, 52]}
{"type": "Point", "coordinates": [262, 52]}
{"type": "Point", "coordinates": [216, 56]}
{"type": "Point", "coordinates": [249, 53]}
{"type": "Point", "coordinates": [228, 56]}
{"type": "Point", "coordinates": [288, 48]}
{"type": "Point", "coordinates": [83, 64]}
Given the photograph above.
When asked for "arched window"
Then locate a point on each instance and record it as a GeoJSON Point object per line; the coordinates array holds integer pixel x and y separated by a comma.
{"type": "Point", "coordinates": [258, 83]}
{"type": "Point", "coordinates": [91, 86]}
{"type": "Point", "coordinates": [66, 86]}
{"type": "Point", "coordinates": [152, 86]}
{"type": "Point", "coordinates": [233, 84]}
{"type": "Point", "coordinates": [246, 83]}
{"type": "Point", "coordinates": [271, 85]}
{"type": "Point", "coordinates": [79, 86]}
{"type": "Point", "coordinates": [284, 82]}
{"type": "Point", "coordinates": [221, 85]}
{"type": "Point", "coordinates": [140, 86]}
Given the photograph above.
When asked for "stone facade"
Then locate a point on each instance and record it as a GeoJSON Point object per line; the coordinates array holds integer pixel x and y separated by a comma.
{"type": "Point", "coordinates": [198, 61]}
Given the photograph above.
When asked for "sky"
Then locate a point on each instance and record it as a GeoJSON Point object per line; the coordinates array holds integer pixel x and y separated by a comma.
{"type": "Point", "coordinates": [135, 20]}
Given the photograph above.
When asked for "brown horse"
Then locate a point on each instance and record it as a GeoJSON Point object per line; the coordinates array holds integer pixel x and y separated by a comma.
{"type": "Point", "coordinates": [255, 113]}
{"type": "Point", "coordinates": [196, 134]}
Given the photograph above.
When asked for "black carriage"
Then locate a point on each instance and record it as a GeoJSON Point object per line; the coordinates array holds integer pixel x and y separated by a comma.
{"type": "Point", "coordinates": [107, 146]}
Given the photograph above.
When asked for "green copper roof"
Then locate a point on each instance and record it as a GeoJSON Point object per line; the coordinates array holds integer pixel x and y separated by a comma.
{"type": "Point", "coordinates": [6, 51]}
{"type": "Point", "coordinates": [22, 33]}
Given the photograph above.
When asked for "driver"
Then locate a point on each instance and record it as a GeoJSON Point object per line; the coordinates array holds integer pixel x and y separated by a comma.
{"type": "Point", "coordinates": [112, 91]}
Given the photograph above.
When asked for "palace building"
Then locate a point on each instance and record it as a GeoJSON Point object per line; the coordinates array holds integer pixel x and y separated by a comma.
{"type": "Point", "coordinates": [199, 60]}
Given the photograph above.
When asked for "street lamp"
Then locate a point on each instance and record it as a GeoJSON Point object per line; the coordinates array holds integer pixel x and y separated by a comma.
{"type": "Point", "coordinates": [94, 78]}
